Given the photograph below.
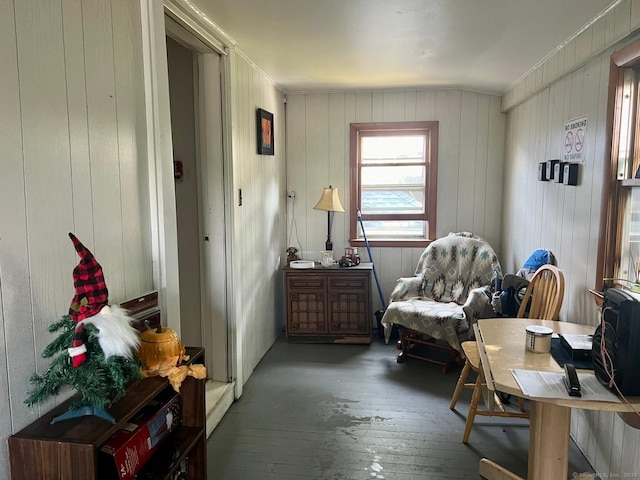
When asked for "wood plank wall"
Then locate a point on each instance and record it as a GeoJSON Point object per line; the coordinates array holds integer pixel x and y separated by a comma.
{"type": "Point", "coordinates": [73, 159]}
{"type": "Point", "coordinates": [620, 20]}
{"type": "Point", "coordinates": [470, 164]}
{"type": "Point", "coordinates": [258, 224]}
{"type": "Point", "coordinates": [572, 83]}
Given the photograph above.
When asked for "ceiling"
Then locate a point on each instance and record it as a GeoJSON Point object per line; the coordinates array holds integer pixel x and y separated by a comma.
{"type": "Point", "coordinates": [326, 45]}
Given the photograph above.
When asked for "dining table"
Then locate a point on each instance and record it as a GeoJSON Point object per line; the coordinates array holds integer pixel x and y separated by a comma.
{"type": "Point", "coordinates": [502, 347]}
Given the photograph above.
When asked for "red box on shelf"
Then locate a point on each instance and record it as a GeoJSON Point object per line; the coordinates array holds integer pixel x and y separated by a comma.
{"type": "Point", "coordinates": [132, 446]}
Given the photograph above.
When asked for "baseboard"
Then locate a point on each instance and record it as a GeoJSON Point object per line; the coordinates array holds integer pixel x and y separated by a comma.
{"type": "Point", "coordinates": [218, 398]}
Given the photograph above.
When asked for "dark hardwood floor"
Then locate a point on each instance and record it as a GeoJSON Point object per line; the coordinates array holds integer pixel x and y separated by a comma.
{"type": "Point", "coordinates": [343, 412]}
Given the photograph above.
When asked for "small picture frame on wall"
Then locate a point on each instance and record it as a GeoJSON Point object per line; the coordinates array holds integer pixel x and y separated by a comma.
{"type": "Point", "coordinates": [264, 127]}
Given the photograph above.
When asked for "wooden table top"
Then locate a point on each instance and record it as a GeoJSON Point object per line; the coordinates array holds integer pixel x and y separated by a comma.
{"type": "Point", "coordinates": [501, 342]}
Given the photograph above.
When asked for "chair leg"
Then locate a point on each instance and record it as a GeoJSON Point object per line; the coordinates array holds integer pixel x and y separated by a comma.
{"type": "Point", "coordinates": [473, 408]}
{"type": "Point", "coordinates": [460, 385]}
{"type": "Point", "coordinates": [521, 403]}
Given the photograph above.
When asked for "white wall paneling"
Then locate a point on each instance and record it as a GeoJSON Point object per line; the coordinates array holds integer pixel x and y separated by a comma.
{"type": "Point", "coordinates": [132, 152]}
{"type": "Point", "coordinates": [470, 164]}
{"type": "Point", "coordinates": [75, 113]}
{"type": "Point", "coordinates": [82, 84]}
{"type": "Point", "coordinates": [74, 160]}
{"type": "Point", "coordinates": [17, 351]}
{"type": "Point", "coordinates": [614, 25]}
{"type": "Point", "coordinates": [566, 219]}
{"type": "Point", "coordinates": [259, 223]}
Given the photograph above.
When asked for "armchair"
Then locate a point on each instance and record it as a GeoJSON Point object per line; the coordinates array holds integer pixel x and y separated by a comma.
{"type": "Point", "coordinates": [449, 291]}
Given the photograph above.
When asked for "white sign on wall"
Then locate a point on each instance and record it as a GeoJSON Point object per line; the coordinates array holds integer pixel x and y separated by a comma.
{"type": "Point", "coordinates": [573, 138]}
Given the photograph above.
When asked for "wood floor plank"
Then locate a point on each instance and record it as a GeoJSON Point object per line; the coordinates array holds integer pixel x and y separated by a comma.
{"type": "Point", "coordinates": [343, 412]}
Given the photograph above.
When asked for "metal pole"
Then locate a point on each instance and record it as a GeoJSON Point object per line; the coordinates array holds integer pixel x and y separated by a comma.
{"type": "Point", "coordinates": [375, 274]}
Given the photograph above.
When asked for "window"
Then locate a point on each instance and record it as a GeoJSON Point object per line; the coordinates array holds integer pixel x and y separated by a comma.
{"type": "Point", "coordinates": [620, 238]}
{"type": "Point", "coordinates": [393, 182]}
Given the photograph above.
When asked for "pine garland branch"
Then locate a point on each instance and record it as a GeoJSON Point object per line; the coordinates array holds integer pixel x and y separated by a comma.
{"type": "Point", "coordinates": [64, 340]}
{"type": "Point", "coordinates": [99, 382]}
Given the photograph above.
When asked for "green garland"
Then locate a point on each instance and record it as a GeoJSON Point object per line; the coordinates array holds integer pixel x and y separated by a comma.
{"type": "Point", "coordinates": [99, 382]}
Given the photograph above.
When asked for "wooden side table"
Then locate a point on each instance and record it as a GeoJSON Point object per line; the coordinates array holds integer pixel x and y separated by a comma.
{"type": "Point", "coordinates": [329, 304]}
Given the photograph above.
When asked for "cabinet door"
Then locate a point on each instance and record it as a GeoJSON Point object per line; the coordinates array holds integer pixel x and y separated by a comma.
{"type": "Point", "coordinates": [306, 304]}
{"type": "Point", "coordinates": [349, 310]}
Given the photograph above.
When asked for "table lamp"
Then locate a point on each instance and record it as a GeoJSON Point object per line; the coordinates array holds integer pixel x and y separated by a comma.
{"type": "Point", "coordinates": [329, 202]}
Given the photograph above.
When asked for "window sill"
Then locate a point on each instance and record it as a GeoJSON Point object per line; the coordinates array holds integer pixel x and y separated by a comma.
{"type": "Point", "coordinates": [630, 182]}
{"type": "Point", "coordinates": [396, 243]}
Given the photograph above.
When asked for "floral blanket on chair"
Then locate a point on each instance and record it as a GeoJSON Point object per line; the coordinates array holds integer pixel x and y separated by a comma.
{"type": "Point", "coordinates": [449, 291]}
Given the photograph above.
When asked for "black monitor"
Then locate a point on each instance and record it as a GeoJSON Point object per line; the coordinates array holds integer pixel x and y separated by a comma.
{"type": "Point", "coordinates": [616, 342]}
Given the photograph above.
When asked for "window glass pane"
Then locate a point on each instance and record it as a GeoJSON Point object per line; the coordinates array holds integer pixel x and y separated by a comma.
{"type": "Point", "coordinates": [392, 165]}
{"type": "Point", "coordinates": [401, 201]}
{"type": "Point", "coordinates": [398, 189]}
{"type": "Point", "coordinates": [393, 149]}
{"type": "Point", "coordinates": [392, 175]}
{"type": "Point", "coordinates": [630, 255]}
{"type": "Point", "coordinates": [629, 198]}
{"type": "Point", "coordinates": [397, 229]}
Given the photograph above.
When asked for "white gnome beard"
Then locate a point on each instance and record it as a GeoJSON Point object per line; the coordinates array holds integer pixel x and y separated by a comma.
{"type": "Point", "coordinates": [116, 337]}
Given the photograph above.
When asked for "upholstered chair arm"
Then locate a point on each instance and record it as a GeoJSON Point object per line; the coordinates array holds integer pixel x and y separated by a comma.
{"type": "Point", "coordinates": [478, 304]}
{"type": "Point", "coordinates": [405, 288]}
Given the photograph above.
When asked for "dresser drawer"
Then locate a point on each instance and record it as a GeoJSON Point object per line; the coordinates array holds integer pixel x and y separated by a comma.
{"type": "Point", "coordinates": [305, 282]}
{"type": "Point", "coordinates": [349, 282]}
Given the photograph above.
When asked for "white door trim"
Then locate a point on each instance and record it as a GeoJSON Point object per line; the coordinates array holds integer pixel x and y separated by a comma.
{"type": "Point", "coordinates": [164, 223]}
{"type": "Point", "coordinates": [164, 238]}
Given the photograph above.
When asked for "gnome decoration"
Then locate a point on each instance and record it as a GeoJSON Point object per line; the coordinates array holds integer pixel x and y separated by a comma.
{"type": "Point", "coordinates": [96, 350]}
{"type": "Point", "coordinates": [89, 305]}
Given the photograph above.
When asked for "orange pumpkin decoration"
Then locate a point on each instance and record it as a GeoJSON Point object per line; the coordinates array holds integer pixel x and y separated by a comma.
{"type": "Point", "coordinates": [159, 345]}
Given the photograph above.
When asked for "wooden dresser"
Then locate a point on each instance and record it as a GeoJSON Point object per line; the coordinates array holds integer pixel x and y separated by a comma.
{"type": "Point", "coordinates": [329, 304]}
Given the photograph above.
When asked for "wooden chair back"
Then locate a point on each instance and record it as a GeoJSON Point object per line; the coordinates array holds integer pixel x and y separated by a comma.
{"type": "Point", "coordinates": [544, 294]}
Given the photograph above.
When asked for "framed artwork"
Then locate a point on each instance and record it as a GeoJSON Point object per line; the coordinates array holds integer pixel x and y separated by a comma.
{"type": "Point", "coordinates": [264, 127]}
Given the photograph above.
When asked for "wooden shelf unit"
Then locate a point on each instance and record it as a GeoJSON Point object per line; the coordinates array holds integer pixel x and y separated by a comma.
{"type": "Point", "coordinates": [329, 304]}
{"type": "Point", "coordinates": [70, 449]}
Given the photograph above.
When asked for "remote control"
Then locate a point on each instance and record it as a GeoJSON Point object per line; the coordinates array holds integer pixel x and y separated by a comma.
{"type": "Point", "coordinates": [571, 380]}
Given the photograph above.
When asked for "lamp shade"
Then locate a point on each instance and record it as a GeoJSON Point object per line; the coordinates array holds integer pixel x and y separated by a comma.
{"type": "Point", "coordinates": [329, 201]}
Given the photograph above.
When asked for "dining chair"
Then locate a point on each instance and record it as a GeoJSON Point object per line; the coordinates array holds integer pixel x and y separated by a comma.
{"type": "Point", "coordinates": [542, 300]}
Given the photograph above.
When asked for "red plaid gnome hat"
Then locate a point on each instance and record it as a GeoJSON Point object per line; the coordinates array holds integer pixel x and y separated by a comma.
{"type": "Point", "coordinates": [91, 295]}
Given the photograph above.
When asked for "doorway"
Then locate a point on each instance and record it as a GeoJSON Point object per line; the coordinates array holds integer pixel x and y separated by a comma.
{"type": "Point", "coordinates": [195, 93]}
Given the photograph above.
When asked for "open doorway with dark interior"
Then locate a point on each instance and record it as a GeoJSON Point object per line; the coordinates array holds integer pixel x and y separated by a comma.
{"type": "Point", "coordinates": [195, 92]}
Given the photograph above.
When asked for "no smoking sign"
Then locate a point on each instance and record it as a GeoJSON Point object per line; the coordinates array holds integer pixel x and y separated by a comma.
{"type": "Point", "coordinates": [574, 137]}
